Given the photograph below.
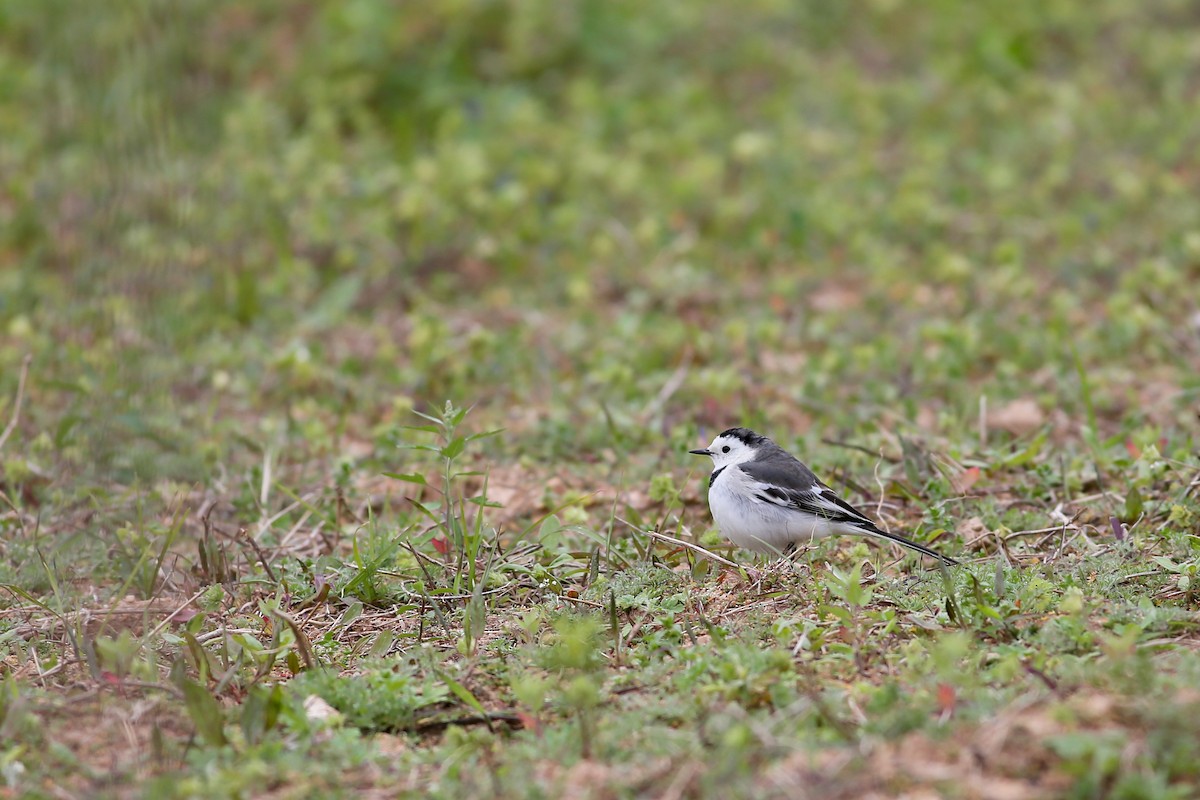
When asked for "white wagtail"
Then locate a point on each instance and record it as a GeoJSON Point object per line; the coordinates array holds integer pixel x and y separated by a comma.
{"type": "Point", "coordinates": [765, 500]}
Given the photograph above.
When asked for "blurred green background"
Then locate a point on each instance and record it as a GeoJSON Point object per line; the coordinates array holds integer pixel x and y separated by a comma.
{"type": "Point", "coordinates": [218, 212]}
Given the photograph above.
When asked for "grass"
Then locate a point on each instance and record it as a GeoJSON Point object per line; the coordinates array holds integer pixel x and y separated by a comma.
{"type": "Point", "coordinates": [350, 354]}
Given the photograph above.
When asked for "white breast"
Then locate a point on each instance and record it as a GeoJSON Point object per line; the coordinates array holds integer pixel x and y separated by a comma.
{"type": "Point", "coordinates": [757, 524]}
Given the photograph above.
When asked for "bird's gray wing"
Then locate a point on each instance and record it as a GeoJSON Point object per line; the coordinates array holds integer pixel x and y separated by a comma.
{"type": "Point", "coordinates": [792, 485]}
{"type": "Point", "coordinates": [782, 470]}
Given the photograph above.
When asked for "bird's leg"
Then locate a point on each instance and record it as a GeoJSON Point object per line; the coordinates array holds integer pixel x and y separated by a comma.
{"type": "Point", "coordinates": [788, 562]}
{"type": "Point", "coordinates": [791, 558]}
{"type": "Point", "coordinates": [774, 573]}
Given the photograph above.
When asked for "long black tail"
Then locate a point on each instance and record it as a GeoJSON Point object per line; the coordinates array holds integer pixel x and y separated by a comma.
{"type": "Point", "coordinates": [871, 530]}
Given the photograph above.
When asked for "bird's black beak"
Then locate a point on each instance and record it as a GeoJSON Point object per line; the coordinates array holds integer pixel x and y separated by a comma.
{"type": "Point", "coordinates": [700, 452]}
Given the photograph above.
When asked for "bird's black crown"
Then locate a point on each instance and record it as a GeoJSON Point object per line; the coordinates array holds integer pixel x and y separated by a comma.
{"type": "Point", "coordinates": [747, 436]}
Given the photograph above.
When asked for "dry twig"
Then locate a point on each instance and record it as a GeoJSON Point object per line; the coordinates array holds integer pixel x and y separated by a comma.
{"type": "Point", "coordinates": [679, 542]}
{"type": "Point", "coordinates": [16, 415]}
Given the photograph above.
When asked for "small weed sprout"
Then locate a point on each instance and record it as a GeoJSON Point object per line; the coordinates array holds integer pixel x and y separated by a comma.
{"type": "Point", "coordinates": [576, 659]}
{"type": "Point", "coordinates": [462, 535]}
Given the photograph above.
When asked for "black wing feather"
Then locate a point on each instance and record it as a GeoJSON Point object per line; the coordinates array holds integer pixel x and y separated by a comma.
{"type": "Point", "coordinates": [791, 484]}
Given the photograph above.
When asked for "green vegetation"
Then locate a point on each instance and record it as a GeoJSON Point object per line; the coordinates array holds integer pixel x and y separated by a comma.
{"type": "Point", "coordinates": [349, 351]}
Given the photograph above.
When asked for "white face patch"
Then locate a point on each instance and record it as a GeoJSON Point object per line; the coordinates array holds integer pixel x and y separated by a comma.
{"type": "Point", "coordinates": [726, 450]}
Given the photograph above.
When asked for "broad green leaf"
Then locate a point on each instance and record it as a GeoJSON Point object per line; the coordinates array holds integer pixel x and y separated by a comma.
{"type": "Point", "coordinates": [423, 428]}
{"type": "Point", "coordinates": [382, 644]}
{"type": "Point", "coordinates": [204, 711]}
{"type": "Point", "coordinates": [408, 477]}
{"type": "Point", "coordinates": [1134, 506]}
{"type": "Point", "coordinates": [455, 447]}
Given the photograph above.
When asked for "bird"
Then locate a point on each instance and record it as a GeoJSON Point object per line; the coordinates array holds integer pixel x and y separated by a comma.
{"type": "Point", "coordinates": [765, 500]}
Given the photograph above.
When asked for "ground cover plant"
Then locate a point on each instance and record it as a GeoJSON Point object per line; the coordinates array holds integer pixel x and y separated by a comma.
{"type": "Point", "coordinates": [350, 353]}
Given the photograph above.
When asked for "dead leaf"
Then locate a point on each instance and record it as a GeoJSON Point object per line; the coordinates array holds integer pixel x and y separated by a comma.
{"type": "Point", "coordinates": [972, 529]}
{"type": "Point", "coordinates": [1019, 417]}
{"type": "Point", "coordinates": [834, 297]}
{"type": "Point", "coordinates": [588, 779]}
{"type": "Point", "coordinates": [963, 481]}
{"type": "Point", "coordinates": [317, 710]}
{"type": "Point", "coordinates": [947, 698]}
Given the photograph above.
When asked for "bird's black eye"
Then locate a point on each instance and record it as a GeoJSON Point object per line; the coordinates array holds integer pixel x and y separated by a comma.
{"type": "Point", "coordinates": [725, 449]}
